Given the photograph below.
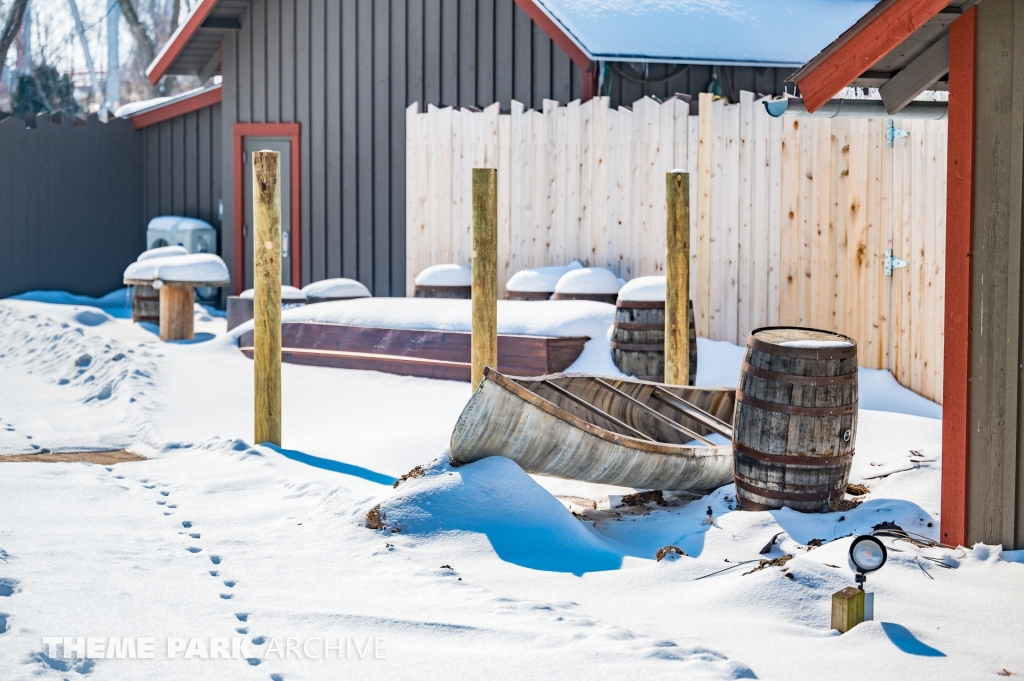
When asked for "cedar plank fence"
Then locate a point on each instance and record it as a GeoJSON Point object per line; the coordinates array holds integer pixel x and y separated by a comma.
{"type": "Point", "coordinates": [790, 217]}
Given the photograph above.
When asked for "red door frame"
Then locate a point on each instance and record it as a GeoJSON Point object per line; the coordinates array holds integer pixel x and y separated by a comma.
{"type": "Point", "coordinates": [241, 131]}
{"type": "Point", "coordinates": [956, 368]}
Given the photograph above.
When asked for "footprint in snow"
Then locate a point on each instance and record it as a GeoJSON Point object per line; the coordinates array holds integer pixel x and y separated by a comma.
{"type": "Point", "coordinates": [227, 597]}
{"type": "Point", "coordinates": [259, 640]}
{"type": "Point", "coordinates": [194, 549]}
{"type": "Point", "coordinates": [230, 583]}
{"type": "Point", "coordinates": [214, 573]}
{"type": "Point", "coordinates": [242, 630]}
{"type": "Point", "coordinates": [160, 503]}
{"type": "Point", "coordinates": [8, 587]}
{"type": "Point", "coordinates": [215, 560]}
{"type": "Point", "coordinates": [194, 535]}
{"type": "Point", "coordinates": [165, 493]}
{"type": "Point", "coordinates": [242, 616]}
{"type": "Point", "coordinates": [186, 524]}
{"type": "Point", "coordinates": [149, 486]}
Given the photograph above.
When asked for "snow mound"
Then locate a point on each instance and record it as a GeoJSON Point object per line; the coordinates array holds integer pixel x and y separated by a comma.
{"type": "Point", "coordinates": [289, 293]}
{"type": "Point", "coordinates": [540, 279]}
{"type": "Point", "coordinates": [588, 280]}
{"type": "Point", "coordinates": [65, 355]}
{"type": "Point", "coordinates": [162, 252]}
{"type": "Point", "coordinates": [524, 524]}
{"type": "Point", "coordinates": [336, 288]}
{"type": "Point", "coordinates": [119, 300]}
{"type": "Point", "coordinates": [643, 289]}
{"type": "Point", "coordinates": [199, 268]}
{"type": "Point", "coordinates": [445, 275]}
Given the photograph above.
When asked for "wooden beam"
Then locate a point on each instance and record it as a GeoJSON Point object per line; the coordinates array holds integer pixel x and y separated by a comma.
{"type": "Point", "coordinates": [959, 235]}
{"type": "Point", "coordinates": [179, 40]}
{"type": "Point", "coordinates": [677, 278]}
{"type": "Point", "coordinates": [267, 295]}
{"type": "Point", "coordinates": [485, 272]}
{"type": "Point", "coordinates": [860, 48]}
{"type": "Point", "coordinates": [916, 77]}
{"type": "Point", "coordinates": [211, 66]}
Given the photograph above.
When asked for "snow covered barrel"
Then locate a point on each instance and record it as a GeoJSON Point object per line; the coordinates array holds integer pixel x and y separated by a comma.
{"type": "Point", "coordinates": [444, 281]}
{"type": "Point", "coordinates": [334, 289]}
{"type": "Point", "coordinates": [588, 283]}
{"type": "Point", "coordinates": [638, 335]}
{"type": "Point", "coordinates": [796, 419]}
{"type": "Point", "coordinates": [537, 283]}
{"type": "Point", "coordinates": [241, 308]}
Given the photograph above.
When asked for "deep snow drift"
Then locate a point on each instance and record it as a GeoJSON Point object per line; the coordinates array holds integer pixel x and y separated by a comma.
{"type": "Point", "coordinates": [487, 576]}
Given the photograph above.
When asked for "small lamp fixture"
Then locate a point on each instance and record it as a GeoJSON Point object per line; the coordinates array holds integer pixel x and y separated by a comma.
{"type": "Point", "coordinates": [867, 554]}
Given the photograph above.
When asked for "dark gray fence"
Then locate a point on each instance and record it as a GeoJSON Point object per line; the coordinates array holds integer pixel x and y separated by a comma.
{"type": "Point", "coordinates": [71, 204]}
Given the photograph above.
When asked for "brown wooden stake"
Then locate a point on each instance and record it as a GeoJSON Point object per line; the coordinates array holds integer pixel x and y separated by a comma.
{"type": "Point", "coordinates": [177, 319]}
{"type": "Point", "coordinates": [485, 272]}
{"type": "Point", "coordinates": [267, 295]}
{"type": "Point", "coordinates": [677, 278]}
{"type": "Point", "coordinates": [847, 609]}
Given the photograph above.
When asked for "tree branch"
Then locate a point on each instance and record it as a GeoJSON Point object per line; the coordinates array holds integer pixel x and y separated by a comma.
{"type": "Point", "coordinates": [142, 39]}
{"type": "Point", "coordinates": [11, 28]}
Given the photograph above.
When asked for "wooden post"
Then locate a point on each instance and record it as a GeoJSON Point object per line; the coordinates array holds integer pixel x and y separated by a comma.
{"type": "Point", "coordinates": [267, 295]}
{"type": "Point", "coordinates": [847, 609]}
{"type": "Point", "coordinates": [677, 278]}
{"type": "Point", "coordinates": [485, 272]}
{"type": "Point", "coordinates": [177, 316]}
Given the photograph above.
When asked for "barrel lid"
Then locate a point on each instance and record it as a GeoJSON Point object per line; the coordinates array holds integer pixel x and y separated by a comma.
{"type": "Point", "coordinates": [804, 343]}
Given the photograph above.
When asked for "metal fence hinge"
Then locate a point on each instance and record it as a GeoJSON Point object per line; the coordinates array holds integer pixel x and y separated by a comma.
{"type": "Point", "coordinates": [893, 263]}
{"type": "Point", "coordinates": [892, 133]}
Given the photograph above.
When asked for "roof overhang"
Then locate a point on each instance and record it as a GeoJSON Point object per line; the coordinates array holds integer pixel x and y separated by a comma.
{"type": "Point", "coordinates": [167, 108]}
{"type": "Point", "coordinates": [194, 49]}
{"type": "Point", "coordinates": [900, 47]}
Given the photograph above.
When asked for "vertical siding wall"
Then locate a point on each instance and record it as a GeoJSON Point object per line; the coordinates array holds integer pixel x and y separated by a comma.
{"type": "Point", "coordinates": [183, 166]}
{"type": "Point", "coordinates": [71, 213]}
{"type": "Point", "coordinates": [345, 71]}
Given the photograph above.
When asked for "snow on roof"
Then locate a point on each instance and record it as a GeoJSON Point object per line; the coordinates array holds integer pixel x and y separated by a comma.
{"type": "Point", "coordinates": [135, 108]}
{"type": "Point", "coordinates": [756, 32]}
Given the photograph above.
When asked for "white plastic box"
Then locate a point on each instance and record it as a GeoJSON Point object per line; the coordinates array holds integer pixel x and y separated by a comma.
{"type": "Point", "coordinates": [195, 235]}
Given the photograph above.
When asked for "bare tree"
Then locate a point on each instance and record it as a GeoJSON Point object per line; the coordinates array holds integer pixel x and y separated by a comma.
{"type": "Point", "coordinates": [11, 28]}
{"type": "Point", "coordinates": [142, 40]}
{"type": "Point", "coordinates": [175, 14]}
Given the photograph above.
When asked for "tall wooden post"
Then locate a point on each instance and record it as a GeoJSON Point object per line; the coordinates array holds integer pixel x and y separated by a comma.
{"type": "Point", "coordinates": [267, 295]}
{"type": "Point", "coordinates": [485, 272]}
{"type": "Point", "coordinates": [677, 278]}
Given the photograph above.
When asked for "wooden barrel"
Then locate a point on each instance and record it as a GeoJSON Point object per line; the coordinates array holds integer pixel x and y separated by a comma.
{"type": "Point", "coordinates": [597, 297]}
{"type": "Point", "coordinates": [145, 304]}
{"type": "Point", "coordinates": [443, 291]}
{"type": "Point", "coordinates": [638, 340]}
{"type": "Point", "coordinates": [796, 419]}
{"type": "Point", "coordinates": [528, 295]}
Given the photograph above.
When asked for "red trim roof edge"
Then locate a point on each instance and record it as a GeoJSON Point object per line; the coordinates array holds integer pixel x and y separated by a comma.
{"type": "Point", "coordinates": [178, 107]}
{"type": "Point", "coordinates": [876, 34]}
{"type": "Point", "coordinates": [179, 40]}
{"type": "Point", "coordinates": [557, 34]}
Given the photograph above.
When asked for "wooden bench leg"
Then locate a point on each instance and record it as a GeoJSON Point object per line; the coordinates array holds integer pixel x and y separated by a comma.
{"type": "Point", "coordinates": [177, 316]}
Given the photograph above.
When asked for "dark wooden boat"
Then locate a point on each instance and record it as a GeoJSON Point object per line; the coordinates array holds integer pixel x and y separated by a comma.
{"type": "Point", "coordinates": [614, 431]}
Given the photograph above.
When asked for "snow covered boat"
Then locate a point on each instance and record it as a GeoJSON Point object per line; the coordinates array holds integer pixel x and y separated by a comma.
{"type": "Point", "coordinates": [613, 431]}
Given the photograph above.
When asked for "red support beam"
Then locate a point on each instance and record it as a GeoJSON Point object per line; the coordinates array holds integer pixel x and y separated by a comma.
{"type": "Point", "coordinates": [862, 46]}
{"type": "Point", "coordinates": [241, 131]}
{"type": "Point", "coordinates": [177, 108]}
{"type": "Point", "coordinates": [959, 232]}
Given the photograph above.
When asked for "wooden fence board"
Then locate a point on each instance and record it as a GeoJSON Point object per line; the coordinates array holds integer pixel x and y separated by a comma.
{"type": "Point", "coordinates": [790, 218]}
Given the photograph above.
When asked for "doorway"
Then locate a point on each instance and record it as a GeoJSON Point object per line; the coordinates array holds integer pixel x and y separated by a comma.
{"type": "Point", "coordinates": [282, 145]}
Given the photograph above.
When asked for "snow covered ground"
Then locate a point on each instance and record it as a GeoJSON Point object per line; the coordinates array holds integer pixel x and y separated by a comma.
{"type": "Point", "coordinates": [216, 541]}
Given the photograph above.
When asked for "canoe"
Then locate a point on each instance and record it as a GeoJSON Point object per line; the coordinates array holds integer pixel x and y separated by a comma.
{"type": "Point", "coordinates": [614, 431]}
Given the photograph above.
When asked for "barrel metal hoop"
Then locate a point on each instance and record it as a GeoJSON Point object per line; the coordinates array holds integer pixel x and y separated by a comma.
{"type": "Point", "coordinates": [641, 304]}
{"type": "Point", "coordinates": [792, 459]}
{"type": "Point", "coordinates": [813, 381]}
{"type": "Point", "coordinates": [639, 347]}
{"type": "Point", "coordinates": [844, 352]}
{"type": "Point", "coordinates": [639, 326]}
{"type": "Point", "coordinates": [783, 496]}
{"type": "Point", "coordinates": [777, 408]}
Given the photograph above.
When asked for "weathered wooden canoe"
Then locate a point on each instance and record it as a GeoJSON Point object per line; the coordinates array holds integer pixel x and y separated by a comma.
{"type": "Point", "coordinates": [613, 431]}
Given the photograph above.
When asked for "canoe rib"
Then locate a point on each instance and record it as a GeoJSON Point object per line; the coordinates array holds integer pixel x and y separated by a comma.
{"type": "Point", "coordinates": [504, 418]}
